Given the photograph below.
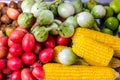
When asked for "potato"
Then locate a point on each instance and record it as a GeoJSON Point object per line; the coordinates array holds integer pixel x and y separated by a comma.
{"type": "Point", "coordinates": [2, 5]}
{"type": "Point", "coordinates": [5, 19]}
{"type": "Point", "coordinates": [13, 4]}
{"type": "Point", "coordinates": [4, 10]}
{"type": "Point", "coordinates": [19, 4]}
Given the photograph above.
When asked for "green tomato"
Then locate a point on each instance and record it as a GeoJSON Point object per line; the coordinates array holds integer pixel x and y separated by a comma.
{"type": "Point", "coordinates": [109, 12]}
{"type": "Point", "coordinates": [115, 5]}
{"type": "Point", "coordinates": [45, 17]}
{"type": "Point", "coordinates": [25, 20]}
{"type": "Point", "coordinates": [111, 23]}
{"type": "Point", "coordinates": [119, 29]}
{"type": "Point", "coordinates": [107, 31]}
{"type": "Point", "coordinates": [90, 4]}
{"type": "Point", "coordinates": [98, 11]}
{"type": "Point", "coordinates": [118, 16]}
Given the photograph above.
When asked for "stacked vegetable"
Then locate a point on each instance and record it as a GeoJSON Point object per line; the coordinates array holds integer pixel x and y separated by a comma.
{"type": "Point", "coordinates": [61, 40]}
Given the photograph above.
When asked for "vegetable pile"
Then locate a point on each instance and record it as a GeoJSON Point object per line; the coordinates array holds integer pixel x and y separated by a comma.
{"type": "Point", "coordinates": [59, 40]}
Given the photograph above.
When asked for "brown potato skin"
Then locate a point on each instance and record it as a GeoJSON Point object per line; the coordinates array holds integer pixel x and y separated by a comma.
{"type": "Point", "coordinates": [5, 19]}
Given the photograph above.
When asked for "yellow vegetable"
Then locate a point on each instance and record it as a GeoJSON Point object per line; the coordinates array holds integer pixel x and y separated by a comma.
{"type": "Point", "coordinates": [110, 40]}
{"type": "Point", "coordinates": [54, 71]}
{"type": "Point", "coordinates": [95, 53]}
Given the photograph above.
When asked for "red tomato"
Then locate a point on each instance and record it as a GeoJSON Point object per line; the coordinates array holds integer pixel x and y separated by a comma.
{"type": "Point", "coordinates": [26, 74]}
{"type": "Point", "coordinates": [12, 13]}
{"type": "Point", "coordinates": [38, 48]}
{"type": "Point", "coordinates": [2, 64]}
{"type": "Point", "coordinates": [16, 75]}
{"type": "Point", "coordinates": [38, 73]}
{"type": "Point", "coordinates": [46, 55]}
{"type": "Point", "coordinates": [1, 76]}
{"type": "Point", "coordinates": [3, 51]}
{"type": "Point", "coordinates": [28, 42]}
{"type": "Point", "coordinates": [17, 36]}
{"type": "Point", "coordinates": [36, 64]}
{"type": "Point", "coordinates": [63, 41]}
{"type": "Point", "coordinates": [50, 42]}
{"type": "Point", "coordinates": [6, 71]}
{"type": "Point", "coordinates": [3, 41]}
{"type": "Point", "coordinates": [21, 29]}
{"type": "Point", "coordinates": [16, 50]}
{"type": "Point", "coordinates": [14, 63]}
{"type": "Point", "coordinates": [28, 58]}
{"type": "Point", "coordinates": [10, 43]}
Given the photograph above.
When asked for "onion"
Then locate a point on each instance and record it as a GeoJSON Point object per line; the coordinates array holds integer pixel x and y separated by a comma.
{"type": "Point", "coordinates": [85, 19]}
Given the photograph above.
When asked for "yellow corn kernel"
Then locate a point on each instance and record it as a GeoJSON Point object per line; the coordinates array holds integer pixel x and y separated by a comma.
{"type": "Point", "coordinates": [109, 40]}
{"type": "Point", "coordinates": [55, 71]}
{"type": "Point", "coordinates": [93, 52]}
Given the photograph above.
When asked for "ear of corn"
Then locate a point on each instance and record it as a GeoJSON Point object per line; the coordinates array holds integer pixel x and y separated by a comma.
{"type": "Point", "coordinates": [54, 71]}
{"type": "Point", "coordinates": [93, 52]}
{"type": "Point", "coordinates": [109, 40]}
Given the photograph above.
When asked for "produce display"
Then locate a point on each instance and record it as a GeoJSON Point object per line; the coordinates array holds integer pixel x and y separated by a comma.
{"type": "Point", "coordinates": [59, 40]}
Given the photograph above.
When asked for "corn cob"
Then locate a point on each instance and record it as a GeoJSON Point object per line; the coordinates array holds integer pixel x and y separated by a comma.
{"type": "Point", "coordinates": [109, 40]}
{"type": "Point", "coordinates": [54, 71]}
{"type": "Point", "coordinates": [93, 52]}
{"type": "Point", "coordinates": [57, 49]}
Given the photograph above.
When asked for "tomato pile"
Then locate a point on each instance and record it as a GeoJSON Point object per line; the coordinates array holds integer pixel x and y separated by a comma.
{"type": "Point", "coordinates": [21, 53]}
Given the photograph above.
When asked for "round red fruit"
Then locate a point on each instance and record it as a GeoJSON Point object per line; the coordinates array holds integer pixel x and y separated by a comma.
{"type": "Point", "coordinates": [46, 55]}
{"type": "Point", "coordinates": [14, 63]}
{"type": "Point", "coordinates": [29, 58]}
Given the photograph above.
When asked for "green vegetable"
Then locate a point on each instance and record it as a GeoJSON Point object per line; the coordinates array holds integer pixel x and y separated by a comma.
{"type": "Point", "coordinates": [27, 5]}
{"type": "Point", "coordinates": [40, 33]}
{"type": "Point", "coordinates": [45, 17]}
{"type": "Point", "coordinates": [119, 29]}
{"type": "Point", "coordinates": [71, 21]}
{"type": "Point", "coordinates": [111, 23]}
{"type": "Point", "coordinates": [25, 20]}
{"type": "Point", "coordinates": [67, 56]}
{"type": "Point", "coordinates": [55, 29]}
{"type": "Point", "coordinates": [115, 5]}
{"type": "Point", "coordinates": [107, 31]}
{"type": "Point", "coordinates": [40, 5]}
{"type": "Point", "coordinates": [77, 4]}
{"type": "Point", "coordinates": [65, 10]}
{"type": "Point", "coordinates": [53, 8]}
{"type": "Point", "coordinates": [109, 12]}
{"type": "Point", "coordinates": [85, 19]}
{"type": "Point", "coordinates": [86, 10]}
{"type": "Point", "coordinates": [66, 31]}
{"type": "Point", "coordinates": [37, 7]}
{"type": "Point", "coordinates": [98, 11]}
{"type": "Point", "coordinates": [118, 16]}
{"type": "Point", "coordinates": [90, 4]}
